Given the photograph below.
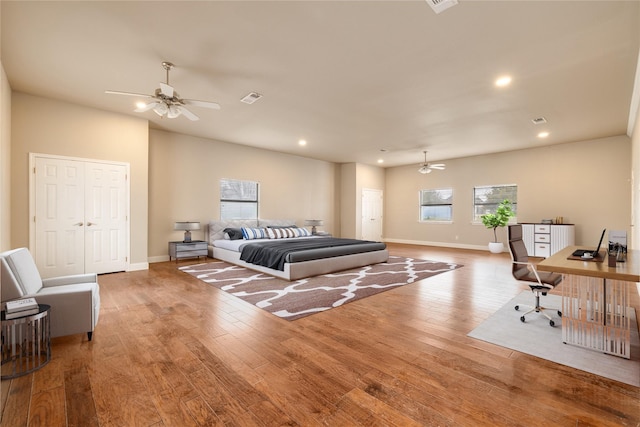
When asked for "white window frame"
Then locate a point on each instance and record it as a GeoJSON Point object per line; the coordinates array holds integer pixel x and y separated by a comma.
{"type": "Point", "coordinates": [421, 205]}
{"type": "Point", "coordinates": [514, 200]}
{"type": "Point", "coordinates": [239, 199]}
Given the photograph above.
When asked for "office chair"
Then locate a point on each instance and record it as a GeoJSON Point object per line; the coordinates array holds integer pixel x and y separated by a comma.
{"type": "Point", "coordinates": [539, 282]}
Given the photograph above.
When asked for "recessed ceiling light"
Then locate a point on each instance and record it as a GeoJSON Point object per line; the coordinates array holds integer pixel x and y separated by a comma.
{"type": "Point", "coordinates": [543, 134]}
{"type": "Point", "coordinates": [302, 142]}
{"type": "Point", "coordinates": [503, 81]}
{"type": "Point", "coordinates": [380, 161]}
{"type": "Point", "coordinates": [140, 104]}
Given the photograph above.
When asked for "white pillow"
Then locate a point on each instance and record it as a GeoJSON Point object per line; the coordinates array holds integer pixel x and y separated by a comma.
{"type": "Point", "coordinates": [280, 233]}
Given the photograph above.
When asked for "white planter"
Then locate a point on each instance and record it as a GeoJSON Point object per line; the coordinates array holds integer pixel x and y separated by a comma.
{"type": "Point", "coordinates": [496, 248]}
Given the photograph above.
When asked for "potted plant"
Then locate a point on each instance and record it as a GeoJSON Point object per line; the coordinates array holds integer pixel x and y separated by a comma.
{"type": "Point", "coordinates": [498, 219]}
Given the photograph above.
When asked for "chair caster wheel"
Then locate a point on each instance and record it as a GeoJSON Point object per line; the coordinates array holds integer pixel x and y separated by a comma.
{"type": "Point", "coordinates": [559, 313]}
{"type": "Point", "coordinates": [552, 323]}
{"type": "Point", "coordinates": [522, 319]}
{"type": "Point", "coordinates": [517, 307]}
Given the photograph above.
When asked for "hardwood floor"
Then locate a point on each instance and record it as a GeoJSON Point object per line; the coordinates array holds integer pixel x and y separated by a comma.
{"type": "Point", "coordinates": [170, 350]}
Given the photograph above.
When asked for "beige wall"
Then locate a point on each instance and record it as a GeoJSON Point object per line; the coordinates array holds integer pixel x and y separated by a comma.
{"type": "Point", "coordinates": [5, 161]}
{"type": "Point", "coordinates": [41, 125]}
{"type": "Point", "coordinates": [588, 183]}
{"type": "Point", "coordinates": [635, 180]}
{"type": "Point", "coordinates": [184, 177]}
{"type": "Point", "coordinates": [634, 131]}
{"type": "Point", "coordinates": [175, 178]}
{"type": "Point", "coordinates": [348, 196]}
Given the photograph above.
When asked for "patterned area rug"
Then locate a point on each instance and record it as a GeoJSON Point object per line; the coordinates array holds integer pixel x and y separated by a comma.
{"type": "Point", "coordinates": [300, 298]}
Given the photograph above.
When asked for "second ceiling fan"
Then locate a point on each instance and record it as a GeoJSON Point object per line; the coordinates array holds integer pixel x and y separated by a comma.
{"type": "Point", "coordinates": [166, 102]}
{"type": "Point", "coordinates": [428, 167]}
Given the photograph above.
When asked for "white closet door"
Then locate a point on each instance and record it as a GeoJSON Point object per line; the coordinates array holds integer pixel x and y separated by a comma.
{"type": "Point", "coordinates": [80, 210]}
{"type": "Point", "coordinates": [371, 215]}
{"type": "Point", "coordinates": [59, 217]}
{"type": "Point", "coordinates": [106, 218]}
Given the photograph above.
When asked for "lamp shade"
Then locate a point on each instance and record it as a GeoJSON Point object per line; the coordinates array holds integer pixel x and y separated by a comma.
{"type": "Point", "coordinates": [187, 226]}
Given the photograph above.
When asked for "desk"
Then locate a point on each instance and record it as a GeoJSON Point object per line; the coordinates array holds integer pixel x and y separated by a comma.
{"type": "Point", "coordinates": [595, 299]}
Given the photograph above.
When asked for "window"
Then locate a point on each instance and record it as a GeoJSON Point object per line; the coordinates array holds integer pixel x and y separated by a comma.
{"type": "Point", "coordinates": [486, 199]}
{"type": "Point", "coordinates": [436, 205]}
{"type": "Point", "coordinates": [238, 199]}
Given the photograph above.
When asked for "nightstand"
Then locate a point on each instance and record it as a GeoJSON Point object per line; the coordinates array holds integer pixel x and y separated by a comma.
{"type": "Point", "coordinates": [193, 249]}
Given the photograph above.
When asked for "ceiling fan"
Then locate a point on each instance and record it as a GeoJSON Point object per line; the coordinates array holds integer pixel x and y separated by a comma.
{"type": "Point", "coordinates": [166, 102]}
{"type": "Point", "coordinates": [427, 168]}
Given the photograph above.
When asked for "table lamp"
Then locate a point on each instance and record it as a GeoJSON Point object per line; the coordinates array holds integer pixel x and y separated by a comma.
{"type": "Point", "coordinates": [187, 226]}
{"type": "Point", "coordinates": [313, 223]}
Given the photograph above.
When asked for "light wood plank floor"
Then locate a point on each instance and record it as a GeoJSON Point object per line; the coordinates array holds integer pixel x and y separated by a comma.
{"type": "Point", "coordinates": [170, 350]}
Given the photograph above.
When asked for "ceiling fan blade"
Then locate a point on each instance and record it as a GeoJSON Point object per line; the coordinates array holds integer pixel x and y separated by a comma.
{"type": "Point", "coordinates": [147, 107]}
{"type": "Point", "coordinates": [116, 92]}
{"type": "Point", "coordinates": [188, 114]}
{"type": "Point", "coordinates": [205, 104]}
{"type": "Point", "coordinates": [439, 166]}
{"type": "Point", "coordinates": [166, 90]}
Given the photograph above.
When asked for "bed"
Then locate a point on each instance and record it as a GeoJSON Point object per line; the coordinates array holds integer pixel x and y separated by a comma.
{"type": "Point", "coordinates": [313, 255]}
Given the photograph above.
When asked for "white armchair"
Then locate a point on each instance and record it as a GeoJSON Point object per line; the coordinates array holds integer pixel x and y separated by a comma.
{"type": "Point", "coordinates": [74, 300]}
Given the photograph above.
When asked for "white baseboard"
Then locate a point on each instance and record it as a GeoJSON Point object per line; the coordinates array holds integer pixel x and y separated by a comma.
{"type": "Point", "coordinates": [161, 258]}
{"type": "Point", "coordinates": [138, 266]}
{"type": "Point", "coordinates": [439, 244]}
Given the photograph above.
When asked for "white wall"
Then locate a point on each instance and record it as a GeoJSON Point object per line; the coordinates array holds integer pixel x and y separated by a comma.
{"type": "Point", "coordinates": [588, 183]}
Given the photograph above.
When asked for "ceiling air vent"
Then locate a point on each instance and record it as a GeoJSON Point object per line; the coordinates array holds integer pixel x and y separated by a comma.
{"type": "Point", "coordinates": [441, 5]}
{"type": "Point", "coordinates": [539, 121]}
{"type": "Point", "coordinates": [251, 98]}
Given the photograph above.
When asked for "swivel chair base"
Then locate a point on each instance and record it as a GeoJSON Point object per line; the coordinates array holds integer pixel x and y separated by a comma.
{"type": "Point", "coordinates": [538, 308]}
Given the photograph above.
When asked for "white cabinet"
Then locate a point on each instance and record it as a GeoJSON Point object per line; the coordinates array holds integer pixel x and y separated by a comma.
{"type": "Point", "coordinates": [544, 240]}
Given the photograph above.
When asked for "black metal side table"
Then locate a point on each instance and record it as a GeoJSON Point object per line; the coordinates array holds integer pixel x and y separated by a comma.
{"type": "Point", "coordinates": [26, 342]}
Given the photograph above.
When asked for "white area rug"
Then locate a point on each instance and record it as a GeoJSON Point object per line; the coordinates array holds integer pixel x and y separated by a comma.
{"type": "Point", "coordinates": [537, 338]}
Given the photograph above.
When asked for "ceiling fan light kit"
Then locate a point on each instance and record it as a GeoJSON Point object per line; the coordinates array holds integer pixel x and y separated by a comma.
{"type": "Point", "coordinates": [166, 102]}
{"type": "Point", "coordinates": [428, 168]}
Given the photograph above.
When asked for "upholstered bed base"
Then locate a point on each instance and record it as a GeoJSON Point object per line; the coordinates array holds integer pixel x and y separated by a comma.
{"type": "Point", "coordinates": [300, 270]}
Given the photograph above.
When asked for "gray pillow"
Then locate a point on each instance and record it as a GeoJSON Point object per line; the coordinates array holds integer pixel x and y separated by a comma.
{"type": "Point", "coordinates": [232, 233]}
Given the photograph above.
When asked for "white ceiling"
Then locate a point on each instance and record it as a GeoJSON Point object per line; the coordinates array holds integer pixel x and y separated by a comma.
{"type": "Point", "coordinates": [350, 77]}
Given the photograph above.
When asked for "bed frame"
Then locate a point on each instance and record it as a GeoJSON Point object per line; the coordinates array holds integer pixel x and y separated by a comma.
{"type": "Point", "coordinates": [292, 271]}
{"type": "Point", "coordinates": [301, 270]}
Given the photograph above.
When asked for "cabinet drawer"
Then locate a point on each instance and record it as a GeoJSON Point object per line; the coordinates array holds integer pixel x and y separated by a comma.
{"type": "Point", "coordinates": [197, 246]}
{"type": "Point", "coordinates": [542, 238]}
{"type": "Point", "coordinates": [543, 250]}
{"type": "Point", "coordinates": [189, 254]}
{"type": "Point", "coordinates": [542, 228]}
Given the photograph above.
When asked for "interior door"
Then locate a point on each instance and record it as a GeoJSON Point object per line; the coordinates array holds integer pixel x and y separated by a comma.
{"type": "Point", "coordinates": [80, 216]}
{"type": "Point", "coordinates": [371, 215]}
{"type": "Point", "coordinates": [105, 214]}
{"type": "Point", "coordinates": [59, 217]}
